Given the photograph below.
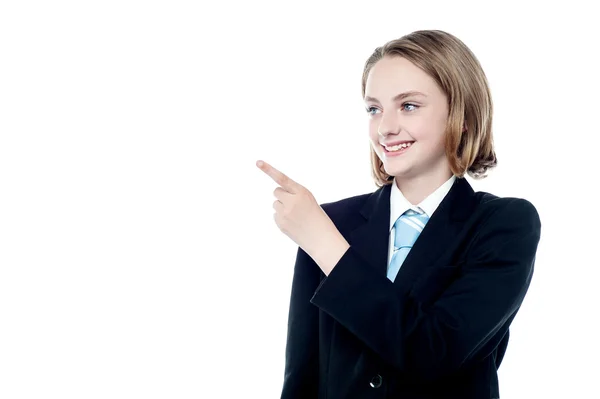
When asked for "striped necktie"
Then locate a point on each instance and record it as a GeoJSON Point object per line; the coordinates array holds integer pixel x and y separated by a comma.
{"type": "Point", "coordinates": [408, 227]}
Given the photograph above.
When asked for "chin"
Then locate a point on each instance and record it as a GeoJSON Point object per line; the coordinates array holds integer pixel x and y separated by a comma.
{"type": "Point", "coordinates": [399, 172]}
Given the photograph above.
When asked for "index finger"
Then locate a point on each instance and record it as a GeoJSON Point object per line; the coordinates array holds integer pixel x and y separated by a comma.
{"type": "Point", "coordinates": [279, 177]}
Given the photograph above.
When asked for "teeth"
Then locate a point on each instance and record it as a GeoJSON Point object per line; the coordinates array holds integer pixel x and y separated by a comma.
{"type": "Point", "coordinates": [397, 147]}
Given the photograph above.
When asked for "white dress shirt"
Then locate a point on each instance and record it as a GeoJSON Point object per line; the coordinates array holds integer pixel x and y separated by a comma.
{"type": "Point", "coordinates": [399, 204]}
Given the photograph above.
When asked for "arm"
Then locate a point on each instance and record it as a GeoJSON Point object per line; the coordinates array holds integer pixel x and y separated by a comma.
{"type": "Point", "coordinates": [301, 360]}
{"type": "Point", "coordinates": [435, 340]}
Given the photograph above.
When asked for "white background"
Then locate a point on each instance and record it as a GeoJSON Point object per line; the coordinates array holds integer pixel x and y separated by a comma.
{"type": "Point", "coordinates": [139, 257]}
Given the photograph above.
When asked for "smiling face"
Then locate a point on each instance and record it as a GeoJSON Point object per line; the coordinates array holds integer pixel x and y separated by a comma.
{"type": "Point", "coordinates": [406, 105]}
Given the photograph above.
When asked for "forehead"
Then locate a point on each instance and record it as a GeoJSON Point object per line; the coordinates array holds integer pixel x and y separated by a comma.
{"type": "Point", "coordinates": [393, 75]}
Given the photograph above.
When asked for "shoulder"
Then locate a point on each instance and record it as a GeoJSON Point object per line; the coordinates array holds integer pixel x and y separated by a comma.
{"type": "Point", "coordinates": [349, 205]}
{"type": "Point", "coordinates": [507, 212]}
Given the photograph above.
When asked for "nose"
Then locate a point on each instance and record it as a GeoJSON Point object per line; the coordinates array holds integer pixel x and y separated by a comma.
{"type": "Point", "coordinates": [389, 124]}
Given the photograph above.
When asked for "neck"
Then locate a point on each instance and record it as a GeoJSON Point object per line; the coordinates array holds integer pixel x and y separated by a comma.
{"type": "Point", "coordinates": [415, 189]}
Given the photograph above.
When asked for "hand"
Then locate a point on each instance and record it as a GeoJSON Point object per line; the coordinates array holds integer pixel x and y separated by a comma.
{"type": "Point", "coordinates": [299, 216]}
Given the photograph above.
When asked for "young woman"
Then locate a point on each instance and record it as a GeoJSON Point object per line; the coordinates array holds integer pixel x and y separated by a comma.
{"type": "Point", "coordinates": [409, 291]}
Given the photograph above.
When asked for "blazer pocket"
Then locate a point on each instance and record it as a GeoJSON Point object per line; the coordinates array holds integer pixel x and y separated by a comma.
{"type": "Point", "coordinates": [433, 282]}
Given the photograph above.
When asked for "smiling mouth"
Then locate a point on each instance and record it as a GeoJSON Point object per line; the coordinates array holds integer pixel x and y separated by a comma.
{"type": "Point", "coordinates": [396, 150]}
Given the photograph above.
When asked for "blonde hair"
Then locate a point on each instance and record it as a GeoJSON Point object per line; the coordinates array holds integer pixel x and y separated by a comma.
{"type": "Point", "coordinates": [458, 73]}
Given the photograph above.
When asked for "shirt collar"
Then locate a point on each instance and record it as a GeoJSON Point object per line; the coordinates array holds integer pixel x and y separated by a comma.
{"type": "Point", "coordinates": [399, 204]}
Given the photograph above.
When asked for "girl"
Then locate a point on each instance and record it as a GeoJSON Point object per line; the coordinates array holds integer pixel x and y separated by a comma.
{"type": "Point", "coordinates": [409, 291]}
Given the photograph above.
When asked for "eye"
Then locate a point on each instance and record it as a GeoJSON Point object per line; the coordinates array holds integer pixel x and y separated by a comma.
{"type": "Point", "coordinates": [371, 109]}
{"type": "Point", "coordinates": [409, 105]}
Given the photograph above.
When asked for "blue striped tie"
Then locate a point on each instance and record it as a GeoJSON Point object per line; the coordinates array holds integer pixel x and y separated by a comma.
{"type": "Point", "coordinates": [408, 227]}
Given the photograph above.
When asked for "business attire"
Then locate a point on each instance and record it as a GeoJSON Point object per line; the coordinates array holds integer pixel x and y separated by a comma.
{"type": "Point", "coordinates": [399, 205]}
{"type": "Point", "coordinates": [437, 327]}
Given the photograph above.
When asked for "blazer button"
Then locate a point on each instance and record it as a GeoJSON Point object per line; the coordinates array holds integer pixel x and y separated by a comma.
{"type": "Point", "coordinates": [376, 381]}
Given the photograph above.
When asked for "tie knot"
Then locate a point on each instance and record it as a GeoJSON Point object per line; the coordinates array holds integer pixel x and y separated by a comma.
{"type": "Point", "coordinates": [408, 227]}
{"type": "Point", "coordinates": [410, 212]}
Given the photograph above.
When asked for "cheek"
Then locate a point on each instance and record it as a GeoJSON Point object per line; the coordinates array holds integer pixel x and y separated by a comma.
{"type": "Point", "coordinates": [374, 139]}
{"type": "Point", "coordinates": [373, 131]}
{"type": "Point", "coordinates": [427, 131]}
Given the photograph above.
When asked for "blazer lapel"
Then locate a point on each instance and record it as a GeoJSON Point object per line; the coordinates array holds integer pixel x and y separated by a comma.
{"type": "Point", "coordinates": [371, 239]}
{"type": "Point", "coordinates": [441, 229]}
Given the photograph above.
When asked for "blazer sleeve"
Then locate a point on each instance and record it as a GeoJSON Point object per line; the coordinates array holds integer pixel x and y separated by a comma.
{"type": "Point", "coordinates": [434, 340]}
{"type": "Point", "coordinates": [301, 355]}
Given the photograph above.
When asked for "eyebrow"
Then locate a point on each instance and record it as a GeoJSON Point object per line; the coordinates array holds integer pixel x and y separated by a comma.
{"type": "Point", "coordinates": [399, 96]}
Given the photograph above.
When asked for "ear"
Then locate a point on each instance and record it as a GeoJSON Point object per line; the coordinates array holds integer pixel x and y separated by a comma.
{"type": "Point", "coordinates": [464, 126]}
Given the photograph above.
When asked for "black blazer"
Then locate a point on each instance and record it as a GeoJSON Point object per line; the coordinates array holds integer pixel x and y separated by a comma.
{"type": "Point", "coordinates": [440, 329]}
